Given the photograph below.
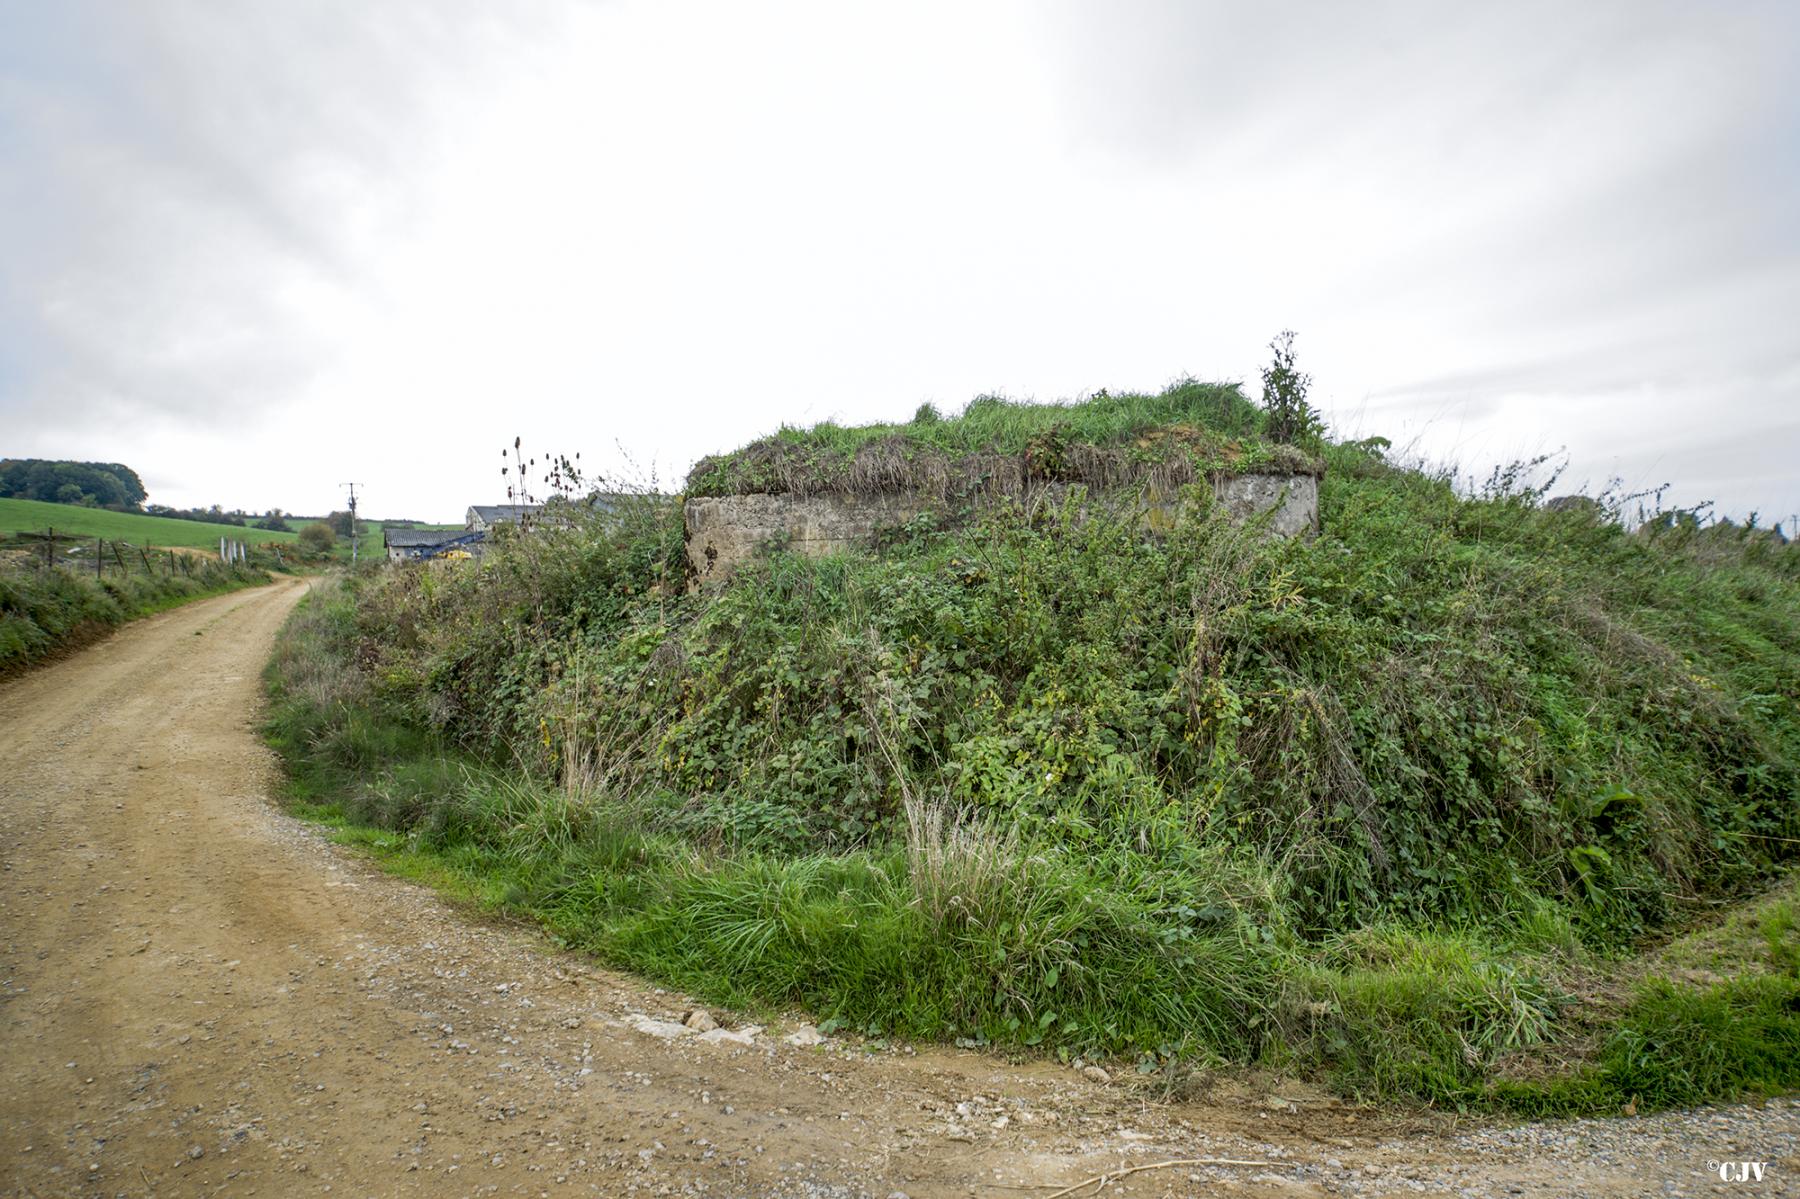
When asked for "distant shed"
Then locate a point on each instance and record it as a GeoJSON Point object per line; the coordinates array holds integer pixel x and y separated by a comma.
{"type": "Point", "coordinates": [406, 544]}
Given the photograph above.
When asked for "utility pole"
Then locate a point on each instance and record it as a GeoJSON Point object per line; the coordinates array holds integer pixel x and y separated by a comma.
{"type": "Point", "coordinates": [353, 536]}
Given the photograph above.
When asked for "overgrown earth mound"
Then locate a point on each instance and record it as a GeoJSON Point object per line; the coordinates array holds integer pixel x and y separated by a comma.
{"type": "Point", "coordinates": [1396, 805]}
{"type": "Point", "coordinates": [1185, 435]}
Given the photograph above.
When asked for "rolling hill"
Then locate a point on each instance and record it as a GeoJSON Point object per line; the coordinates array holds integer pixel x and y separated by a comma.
{"type": "Point", "coordinates": [34, 516]}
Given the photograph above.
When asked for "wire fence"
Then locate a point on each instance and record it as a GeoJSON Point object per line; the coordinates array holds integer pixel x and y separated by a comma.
{"type": "Point", "coordinates": [103, 558]}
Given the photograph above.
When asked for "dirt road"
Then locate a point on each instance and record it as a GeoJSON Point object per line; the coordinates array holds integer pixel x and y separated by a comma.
{"type": "Point", "coordinates": [200, 996]}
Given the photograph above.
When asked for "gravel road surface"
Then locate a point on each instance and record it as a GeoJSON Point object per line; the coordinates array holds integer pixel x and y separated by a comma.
{"type": "Point", "coordinates": [201, 996]}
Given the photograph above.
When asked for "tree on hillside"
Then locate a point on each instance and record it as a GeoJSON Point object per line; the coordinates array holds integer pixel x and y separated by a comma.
{"type": "Point", "coordinates": [107, 484]}
{"type": "Point", "coordinates": [275, 522]}
{"type": "Point", "coordinates": [214, 515]}
{"type": "Point", "coordinates": [318, 538]}
{"type": "Point", "coordinates": [341, 524]}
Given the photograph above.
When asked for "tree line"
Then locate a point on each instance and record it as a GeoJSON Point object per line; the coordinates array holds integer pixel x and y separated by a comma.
{"type": "Point", "coordinates": [274, 520]}
{"type": "Point", "coordinates": [91, 484]}
{"type": "Point", "coordinates": [115, 486]}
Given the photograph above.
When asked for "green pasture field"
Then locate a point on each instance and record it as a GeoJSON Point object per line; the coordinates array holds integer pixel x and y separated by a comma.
{"type": "Point", "coordinates": [34, 516]}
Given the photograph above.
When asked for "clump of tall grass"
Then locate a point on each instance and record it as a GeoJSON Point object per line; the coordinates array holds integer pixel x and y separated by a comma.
{"type": "Point", "coordinates": [1392, 1011]}
{"type": "Point", "coordinates": [961, 869]}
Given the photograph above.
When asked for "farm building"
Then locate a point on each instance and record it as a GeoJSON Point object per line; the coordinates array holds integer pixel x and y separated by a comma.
{"type": "Point", "coordinates": [406, 544]}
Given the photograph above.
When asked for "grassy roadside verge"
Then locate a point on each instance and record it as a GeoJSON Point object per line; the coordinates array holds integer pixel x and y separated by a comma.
{"type": "Point", "coordinates": [979, 932]}
{"type": "Point", "coordinates": [44, 613]}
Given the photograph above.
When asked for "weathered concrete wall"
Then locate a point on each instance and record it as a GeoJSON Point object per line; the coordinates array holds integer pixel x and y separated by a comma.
{"type": "Point", "coordinates": [725, 531]}
{"type": "Point", "coordinates": [1294, 500]}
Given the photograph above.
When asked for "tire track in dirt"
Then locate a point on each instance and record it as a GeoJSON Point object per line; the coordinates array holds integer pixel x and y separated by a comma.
{"type": "Point", "coordinates": [199, 996]}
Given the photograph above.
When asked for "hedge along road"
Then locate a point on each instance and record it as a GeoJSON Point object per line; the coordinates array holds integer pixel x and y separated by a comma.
{"type": "Point", "coordinates": [203, 996]}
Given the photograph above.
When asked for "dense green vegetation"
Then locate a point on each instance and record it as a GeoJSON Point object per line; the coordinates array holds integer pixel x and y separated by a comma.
{"type": "Point", "coordinates": [43, 612]}
{"type": "Point", "coordinates": [32, 516]}
{"type": "Point", "coordinates": [1373, 806]}
{"type": "Point", "coordinates": [103, 484]}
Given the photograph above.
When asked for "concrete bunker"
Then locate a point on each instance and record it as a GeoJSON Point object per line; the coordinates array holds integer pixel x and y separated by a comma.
{"type": "Point", "coordinates": [725, 531]}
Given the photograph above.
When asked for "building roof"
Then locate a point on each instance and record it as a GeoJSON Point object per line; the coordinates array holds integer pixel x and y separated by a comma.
{"type": "Point", "coordinates": [493, 512]}
{"type": "Point", "coordinates": [412, 538]}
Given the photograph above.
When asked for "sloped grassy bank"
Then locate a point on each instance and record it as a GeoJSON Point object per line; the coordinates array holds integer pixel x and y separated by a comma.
{"type": "Point", "coordinates": [1392, 807]}
{"type": "Point", "coordinates": [47, 612]}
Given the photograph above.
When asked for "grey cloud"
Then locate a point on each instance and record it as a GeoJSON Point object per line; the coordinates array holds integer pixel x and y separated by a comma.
{"type": "Point", "coordinates": [183, 171]}
{"type": "Point", "coordinates": [1549, 223]}
{"type": "Point", "coordinates": [1600, 196]}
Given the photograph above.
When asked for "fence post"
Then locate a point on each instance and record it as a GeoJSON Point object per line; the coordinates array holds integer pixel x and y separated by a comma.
{"type": "Point", "coordinates": [99, 556]}
{"type": "Point", "coordinates": [50, 546]}
{"type": "Point", "coordinates": [144, 553]}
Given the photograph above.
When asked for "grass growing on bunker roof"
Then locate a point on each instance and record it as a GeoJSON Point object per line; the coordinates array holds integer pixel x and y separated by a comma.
{"type": "Point", "coordinates": [1181, 435]}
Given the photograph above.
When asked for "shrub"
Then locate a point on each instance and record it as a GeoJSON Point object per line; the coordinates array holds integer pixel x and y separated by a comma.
{"type": "Point", "coordinates": [318, 538]}
{"type": "Point", "coordinates": [1288, 416]}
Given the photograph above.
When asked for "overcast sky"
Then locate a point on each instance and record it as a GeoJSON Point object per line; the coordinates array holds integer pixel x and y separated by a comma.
{"type": "Point", "coordinates": [256, 248]}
